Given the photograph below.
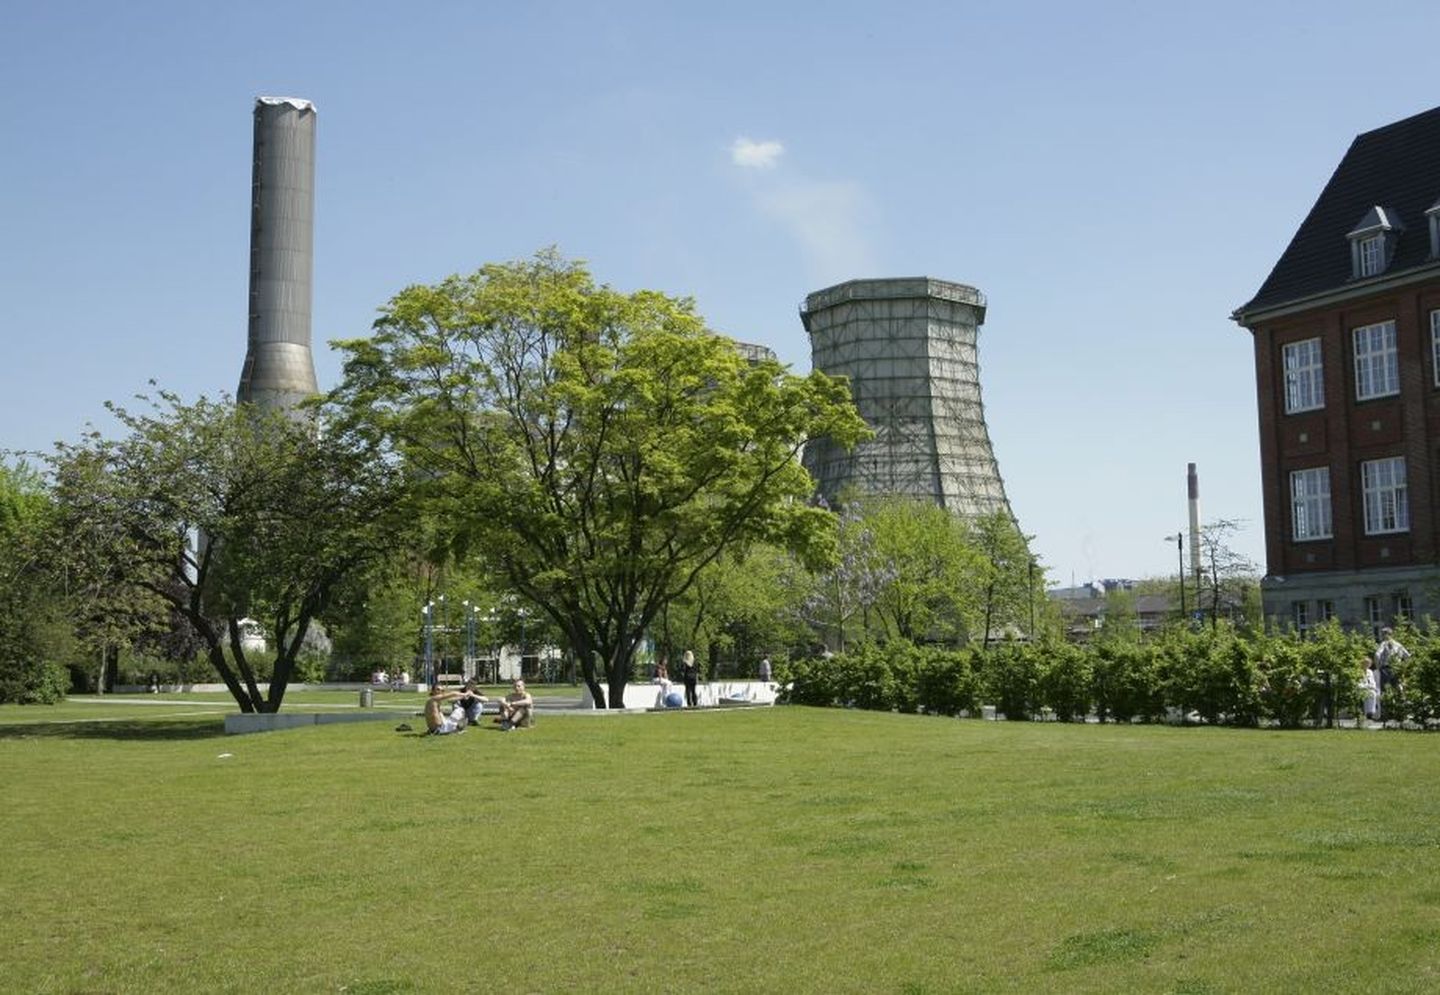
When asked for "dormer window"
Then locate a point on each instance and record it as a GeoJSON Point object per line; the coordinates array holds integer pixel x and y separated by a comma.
{"type": "Point", "coordinates": [1372, 255]}
{"type": "Point", "coordinates": [1433, 214]}
{"type": "Point", "coordinates": [1372, 243]}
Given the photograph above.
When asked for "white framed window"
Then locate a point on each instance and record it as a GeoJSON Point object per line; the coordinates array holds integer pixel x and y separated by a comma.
{"type": "Point", "coordinates": [1404, 610]}
{"type": "Point", "coordinates": [1374, 614]}
{"type": "Point", "coordinates": [1435, 345]}
{"type": "Point", "coordinates": [1387, 502]}
{"type": "Point", "coordinates": [1377, 369]}
{"type": "Point", "coordinates": [1326, 609]}
{"type": "Point", "coordinates": [1300, 613]}
{"type": "Point", "coordinates": [1372, 255]}
{"type": "Point", "coordinates": [1304, 376]}
{"type": "Point", "coordinates": [1310, 503]}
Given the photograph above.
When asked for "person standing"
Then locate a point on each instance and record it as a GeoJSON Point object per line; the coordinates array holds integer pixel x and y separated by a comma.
{"type": "Point", "coordinates": [691, 674]}
{"type": "Point", "coordinates": [765, 668]}
{"type": "Point", "coordinates": [1387, 655]}
{"type": "Point", "coordinates": [1370, 688]}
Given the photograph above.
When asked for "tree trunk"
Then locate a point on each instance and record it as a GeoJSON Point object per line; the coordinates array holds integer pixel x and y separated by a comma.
{"type": "Point", "coordinates": [586, 657]}
{"type": "Point", "coordinates": [217, 658]}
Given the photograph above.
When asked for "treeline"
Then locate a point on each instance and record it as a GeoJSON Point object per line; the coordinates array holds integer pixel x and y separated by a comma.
{"type": "Point", "coordinates": [1216, 675]}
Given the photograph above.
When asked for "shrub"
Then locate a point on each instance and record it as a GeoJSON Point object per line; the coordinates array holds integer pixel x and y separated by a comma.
{"type": "Point", "coordinates": [1011, 677]}
{"type": "Point", "coordinates": [947, 682]}
{"type": "Point", "coordinates": [1128, 682]}
{"type": "Point", "coordinates": [1065, 680]}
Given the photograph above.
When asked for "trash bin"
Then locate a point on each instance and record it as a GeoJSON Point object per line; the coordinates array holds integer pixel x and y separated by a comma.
{"type": "Point", "coordinates": [367, 697]}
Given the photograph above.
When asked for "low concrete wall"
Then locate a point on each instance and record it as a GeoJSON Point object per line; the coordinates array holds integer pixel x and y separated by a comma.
{"type": "Point", "coordinates": [239, 725]}
{"type": "Point", "coordinates": [264, 686]}
{"type": "Point", "coordinates": [643, 696]}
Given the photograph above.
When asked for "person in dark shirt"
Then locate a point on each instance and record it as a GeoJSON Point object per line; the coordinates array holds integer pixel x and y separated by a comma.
{"type": "Point", "coordinates": [472, 701]}
{"type": "Point", "coordinates": [690, 673]}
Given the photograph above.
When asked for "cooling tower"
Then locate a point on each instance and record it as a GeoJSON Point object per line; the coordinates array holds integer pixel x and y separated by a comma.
{"type": "Point", "coordinates": [908, 349]}
{"type": "Point", "coordinates": [279, 370]}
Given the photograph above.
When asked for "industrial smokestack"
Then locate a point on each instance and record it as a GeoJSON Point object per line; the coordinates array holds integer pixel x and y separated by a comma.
{"type": "Point", "coordinates": [279, 370]}
{"type": "Point", "coordinates": [1192, 483]}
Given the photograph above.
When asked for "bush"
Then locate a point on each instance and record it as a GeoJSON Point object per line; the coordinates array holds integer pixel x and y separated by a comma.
{"type": "Point", "coordinates": [947, 682]}
{"type": "Point", "coordinates": [1221, 674]}
{"type": "Point", "coordinates": [1129, 682]}
{"type": "Point", "coordinates": [1011, 678]}
{"type": "Point", "coordinates": [30, 645]}
{"type": "Point", "coordinates": [1065, 680]}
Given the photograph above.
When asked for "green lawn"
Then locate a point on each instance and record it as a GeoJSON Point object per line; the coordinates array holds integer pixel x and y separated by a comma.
{"type": "Point", "coordinates": [778, 850]}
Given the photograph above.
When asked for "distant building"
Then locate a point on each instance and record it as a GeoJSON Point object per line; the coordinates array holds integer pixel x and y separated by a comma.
{"type": "Point", "coordinates": [755, 353]}
{"type": "Point", "coordinates": [1083, 608]}
{"type": "Point", "coordinates": [1346, 333]}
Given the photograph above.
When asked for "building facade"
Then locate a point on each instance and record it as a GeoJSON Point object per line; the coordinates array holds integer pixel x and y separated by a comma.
{"type": "Point", "coordinates": [908, 348]}
{"type": "Point", "coordinates": [1346, 333]}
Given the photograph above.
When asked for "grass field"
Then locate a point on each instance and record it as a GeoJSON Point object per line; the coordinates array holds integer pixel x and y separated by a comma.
{"type": "Point", "coordinates": [781, 850]}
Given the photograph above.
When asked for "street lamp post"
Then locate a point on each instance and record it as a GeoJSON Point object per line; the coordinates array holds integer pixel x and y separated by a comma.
{"type": "Point", "coordinates": [523, 616]}
{"type": "Point", "coordinates": [470, 611]}
{"type": "Point", "coordinates": [1179, 538]}
{"type": "Point", "coordinates": [428, 614]}
{"type": "Point", "coordinates": [444, 628]}
{"type": "Point", "coordinates": [490, 619]}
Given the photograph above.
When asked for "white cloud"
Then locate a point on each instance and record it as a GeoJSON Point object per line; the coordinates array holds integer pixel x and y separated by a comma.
{"type": "Point", "coordinates": [749, 154]}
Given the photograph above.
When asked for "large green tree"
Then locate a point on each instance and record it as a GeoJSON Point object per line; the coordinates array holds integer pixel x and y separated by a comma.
{"type": "Point", "coordinates": [221, 513]}
{"type": "Point", "coordinates": [598, 448]}
{"type": "Point", "coordinates": [34, 638]}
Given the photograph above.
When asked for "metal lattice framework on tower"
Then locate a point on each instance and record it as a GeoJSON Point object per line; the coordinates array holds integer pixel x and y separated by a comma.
{"type": "Point", "coordinates": [908, 347]}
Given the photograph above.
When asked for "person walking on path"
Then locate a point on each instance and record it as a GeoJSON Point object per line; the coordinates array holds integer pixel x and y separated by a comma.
{"type": "Point", "coordinates": [691, 674]}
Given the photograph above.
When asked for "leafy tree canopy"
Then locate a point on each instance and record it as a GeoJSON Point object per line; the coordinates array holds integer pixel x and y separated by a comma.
{"type": "Point", "coordinates": [221, 512]}
{"type": "Point", "coordinates": [598, 448]}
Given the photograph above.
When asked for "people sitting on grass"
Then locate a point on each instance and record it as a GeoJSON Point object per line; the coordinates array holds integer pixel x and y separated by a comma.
{"type": "Point", "coordinates": [441, 720]}
{"type": "Point", "coordinates": [515, 707]}
{"type": "Point", "coordinates": [472, 701]}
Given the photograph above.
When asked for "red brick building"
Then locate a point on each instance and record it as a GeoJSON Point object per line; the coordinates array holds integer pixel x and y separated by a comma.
{"type": "Point", "coordinates": [1347, 368]}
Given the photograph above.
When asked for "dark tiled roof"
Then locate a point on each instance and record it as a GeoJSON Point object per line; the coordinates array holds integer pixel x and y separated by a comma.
{"type": "Point", "coordinates": [1396, 167]}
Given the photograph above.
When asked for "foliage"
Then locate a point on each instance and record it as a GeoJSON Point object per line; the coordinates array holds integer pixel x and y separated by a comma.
{"type": "Point", "coordinates": [745, 604]}
{"type": "Point", "coordinates": [220, 513]}
{"type": "Point", "coordinates": [1012, 584]}
{"type": "Point", "coordinates": [1066, 680]}
{"type": "Point", "coordinates": [947, 683]}
{"type": "Point", "coordinates": [1220, 676]}
{"type": "Point", "coordinates": [849, 588]}
{"type": "Point", "coordinates": [598, 450]}
{"type": "Point", "coordinates": [933, 587]}
{"type": "Point", "coordinates": [1228, 586]}
{"type": "Point", "coordinates": [1011, 679]}
{"type": "Point", "coordinates": [1129, 681]}
{"type": "Point", "coordinates": [34, 640]}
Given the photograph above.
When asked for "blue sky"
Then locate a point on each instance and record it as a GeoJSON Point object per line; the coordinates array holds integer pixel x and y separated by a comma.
{"type": "Point", "coordinates": [1115, 177]}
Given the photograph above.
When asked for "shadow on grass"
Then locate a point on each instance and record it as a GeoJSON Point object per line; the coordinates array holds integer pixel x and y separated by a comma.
{"type": "Point", "coordinates": [154, 730]}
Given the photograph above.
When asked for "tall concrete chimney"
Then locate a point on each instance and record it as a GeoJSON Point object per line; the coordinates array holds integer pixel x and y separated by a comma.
{"type": "Point", "coordinates": [1192, 486]}
{"type": "Point", "coordinates": [279, 370]}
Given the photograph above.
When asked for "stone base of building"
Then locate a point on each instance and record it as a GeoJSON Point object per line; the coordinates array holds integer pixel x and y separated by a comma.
{"type": "Point", "coordinates": [1358, 598]}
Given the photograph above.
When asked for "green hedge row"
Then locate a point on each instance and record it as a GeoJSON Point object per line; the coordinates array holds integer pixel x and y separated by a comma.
{"type": "Point", "coordinates": [1220, 675]}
